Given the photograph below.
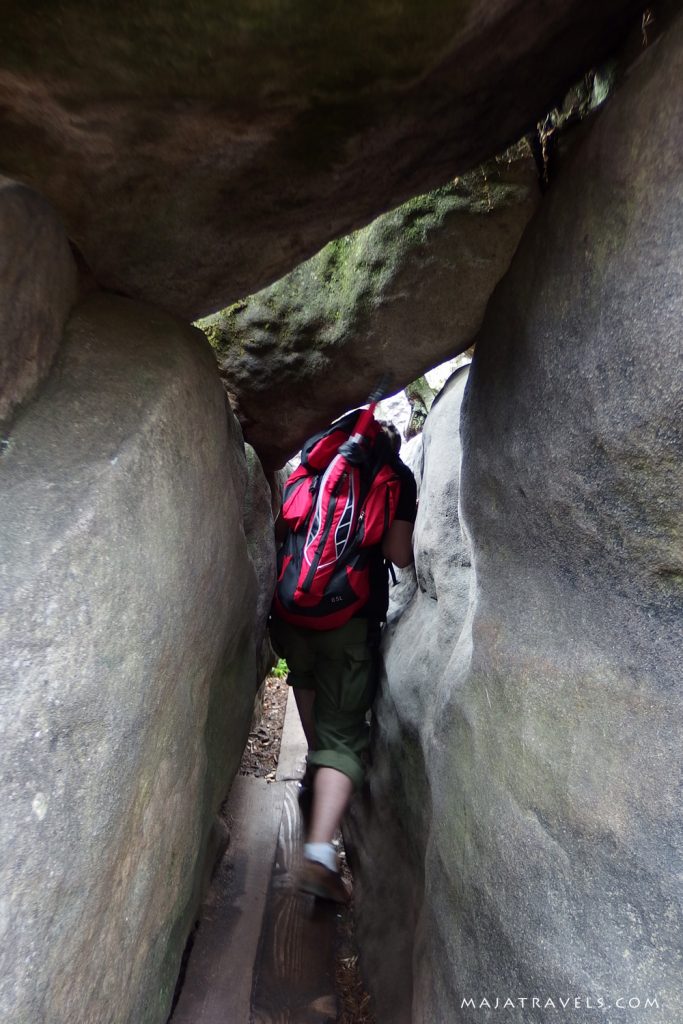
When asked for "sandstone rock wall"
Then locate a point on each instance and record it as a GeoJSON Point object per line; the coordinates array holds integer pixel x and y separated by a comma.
{"type": "Point", "coordinates": [258, 530]}
{"type": "Point", "coordinates": [538, 746]}
{"type": "Point", "coordinates": [128, 641]}
{"type": "Point", "coordinates": [38, 286]}
{"type": "Point", "coordinates": [197, 151]}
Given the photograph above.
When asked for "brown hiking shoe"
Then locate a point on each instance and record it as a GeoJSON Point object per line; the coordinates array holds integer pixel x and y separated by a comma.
{"type": "Point", "coordinates": [319, 881]}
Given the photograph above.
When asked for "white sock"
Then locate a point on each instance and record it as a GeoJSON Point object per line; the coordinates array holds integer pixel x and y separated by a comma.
{"type": "Point", "coordinates": [323, 853]}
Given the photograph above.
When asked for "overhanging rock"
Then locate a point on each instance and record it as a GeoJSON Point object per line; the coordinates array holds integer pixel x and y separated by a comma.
{"type": "Point", "coordinates": [397, 298]}
{"type": "Point", "coordinates": [38, 286]}
{"type": "Point", "coordinates": [197, 151]}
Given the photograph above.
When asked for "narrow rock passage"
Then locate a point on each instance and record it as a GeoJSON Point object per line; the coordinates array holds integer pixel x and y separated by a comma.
{"type": "Point", "coordinates": [263, 952]}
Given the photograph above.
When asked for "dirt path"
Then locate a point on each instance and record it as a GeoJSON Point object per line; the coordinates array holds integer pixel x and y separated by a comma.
{"type": "Point", "coordinates": [261, 759]}
{"type": "Point", "coordinates": [264, 952]}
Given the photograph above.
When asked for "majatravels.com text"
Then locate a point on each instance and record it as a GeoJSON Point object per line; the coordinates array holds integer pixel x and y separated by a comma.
{"type": "Point", "coordinates": [559, 1003]}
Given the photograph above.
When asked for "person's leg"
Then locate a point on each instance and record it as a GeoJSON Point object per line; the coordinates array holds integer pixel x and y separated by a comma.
{"type": "Point", "coordinates": [305, 701]}
{"type": "Point", "coordinates": [332, 792]}
{"type": "Point", "coordinates": [320, 876]}
{"type": "Point", "coordinates": [343, 670]}
{"type": "Point", "coordinates": [343, 695]}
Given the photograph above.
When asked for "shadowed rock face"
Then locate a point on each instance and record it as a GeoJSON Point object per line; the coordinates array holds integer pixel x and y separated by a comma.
{"type": "Point", "coordinates": [198, 151]}
{"type": "Point", "coordinates": [258, 531]}
{"type": "Point", "coordinates": [538, 745]}
{"type": "Point", "coordinates": [38, 286]}
{"type": "Point", "coordinates": [129, 638]}
{"type": "Point", "coordinates": [395, 298]}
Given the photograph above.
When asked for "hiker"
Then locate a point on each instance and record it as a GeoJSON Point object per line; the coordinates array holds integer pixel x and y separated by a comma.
{"type": "Point", "coordinates": [348, 512]}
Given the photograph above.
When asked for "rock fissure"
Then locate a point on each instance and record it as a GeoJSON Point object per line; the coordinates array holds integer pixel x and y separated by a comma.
{"type": "Point", "coordinates": [524, 782]}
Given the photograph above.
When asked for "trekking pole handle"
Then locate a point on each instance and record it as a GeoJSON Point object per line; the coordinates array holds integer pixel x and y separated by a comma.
{"type": "Point", "coordinates": [380, 390]}
{"type": "Point", "coordinates": [353, 448]}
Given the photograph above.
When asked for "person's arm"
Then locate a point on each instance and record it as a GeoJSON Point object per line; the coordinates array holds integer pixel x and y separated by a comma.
{"type": "Point", "coordinates": [397, 545]}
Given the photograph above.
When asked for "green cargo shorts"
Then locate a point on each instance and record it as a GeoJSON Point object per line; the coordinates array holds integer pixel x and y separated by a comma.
{"type": "Point", "coordinates": [339, 665]}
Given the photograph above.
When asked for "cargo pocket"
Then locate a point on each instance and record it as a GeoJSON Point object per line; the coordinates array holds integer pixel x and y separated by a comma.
{"type": "Point", "coordinates": [356, 686]}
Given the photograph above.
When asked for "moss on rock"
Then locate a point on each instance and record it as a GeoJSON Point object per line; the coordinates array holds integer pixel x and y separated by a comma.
{"type": "Point", "coordinates": [333, 296]}
{"type": "Point", "coordinates": [397, 296]}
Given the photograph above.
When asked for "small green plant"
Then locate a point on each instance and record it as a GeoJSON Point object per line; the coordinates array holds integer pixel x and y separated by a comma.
{"type": "Point", "coordinates": [281, 669]}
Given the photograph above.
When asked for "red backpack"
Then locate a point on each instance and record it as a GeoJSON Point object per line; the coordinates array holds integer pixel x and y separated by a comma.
{"type": "Point", "coordinates": [338, 504]}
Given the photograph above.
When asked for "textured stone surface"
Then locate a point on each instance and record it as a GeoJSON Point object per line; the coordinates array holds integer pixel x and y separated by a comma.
{"type": "Point", "coordinates": [549, 860]}
{"type": "Point", "coordinates": [127, 634]}
{"type": "Point", "coordinates": [38, 283]}
{"type": "Point", "coordinates": [258, 529]}
{"type": "Point", "coordinates": [401, 593]}
{"type": "Point", "coordinates": [199, 150]}
{"type": "Point", "coordinates": [566, 726]}
{"type": "Point", "coordinates": [397, 298]}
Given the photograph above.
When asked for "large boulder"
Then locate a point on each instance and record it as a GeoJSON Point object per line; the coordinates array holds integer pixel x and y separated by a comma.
{"type": "Point", "coordinates": [199, 150]}
{"type": "Point", "coordinates": [127, 649]}
{"type": "Point", "coordinates": [397, 298]}
{"type": "Point", "coordinates": [260, 538]}
{"type": "Point", "coordinates": [38, 286]}
{"type": "Point", "coordinates": [547, 864]}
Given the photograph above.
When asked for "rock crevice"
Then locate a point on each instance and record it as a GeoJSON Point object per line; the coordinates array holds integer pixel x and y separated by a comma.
{"type": "Point", "coordinates": [546, 712]}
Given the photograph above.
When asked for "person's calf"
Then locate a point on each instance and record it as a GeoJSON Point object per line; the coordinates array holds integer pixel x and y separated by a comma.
{"type": "Point", "coordinates": [332, 792]}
